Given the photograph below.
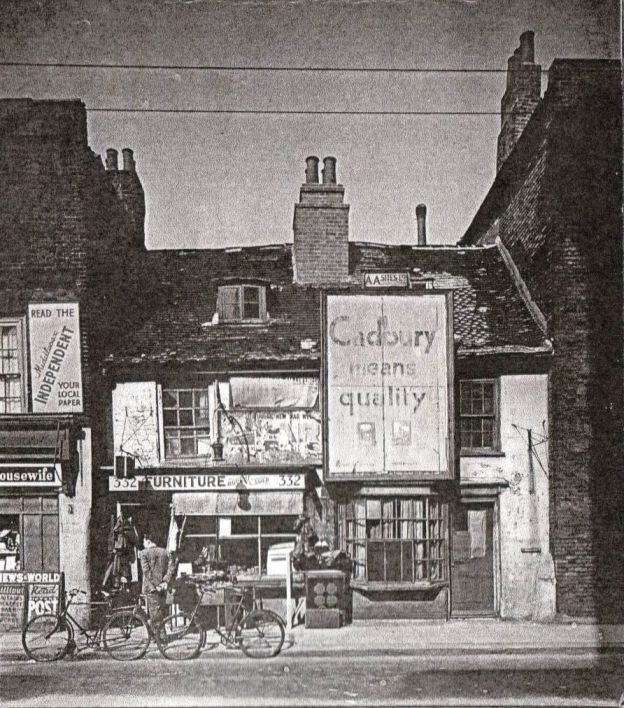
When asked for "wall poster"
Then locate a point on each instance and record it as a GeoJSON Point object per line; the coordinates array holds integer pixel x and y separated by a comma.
{"type": "Point", "coordinates": [387, 365]}
{"type": "Point", "coordinates": [55, 365]}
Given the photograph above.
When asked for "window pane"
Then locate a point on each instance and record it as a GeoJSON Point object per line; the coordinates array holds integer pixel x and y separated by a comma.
{"type": "Point", "coordinates": [170, 417]}
{"type": "Point", "coordinates": [186, 417]}
{"type": "Point", "coordinates": [170, 399]}
{"type": "Point", "coordinates": [278, 524]}
{"type": "Point", "coordinates": [187, 446]}
{"type": "Point", "coordinates": [186, 399]}
{"type": "Point", "coordinates": [251, 303]}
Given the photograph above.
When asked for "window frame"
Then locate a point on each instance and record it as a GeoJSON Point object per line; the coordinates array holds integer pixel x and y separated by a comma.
{"type": "Point", "coordinates": [435, 537]}
{"type": "Point", "coordinates": [198, 431]}
{"type": "Point", "coordinates": [495, 447]}
{"type": "Point", "coordinates": [240, 288]}
{"type": "Point", "coordinates": [20, 324]}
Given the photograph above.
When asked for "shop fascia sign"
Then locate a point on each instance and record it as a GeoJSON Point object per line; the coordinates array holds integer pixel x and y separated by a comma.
{"type": "Point", "coordinates": [30, 474]}
{"type": "Point", "coordinates": [208, 482]}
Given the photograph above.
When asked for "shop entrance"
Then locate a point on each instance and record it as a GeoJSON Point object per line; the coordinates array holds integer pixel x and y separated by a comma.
{"type": "Point", "coordinates": [472, 559]}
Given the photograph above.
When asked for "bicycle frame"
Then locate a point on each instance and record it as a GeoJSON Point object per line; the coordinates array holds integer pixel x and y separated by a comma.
{"type": "Point", "coordinates": [227, 636]}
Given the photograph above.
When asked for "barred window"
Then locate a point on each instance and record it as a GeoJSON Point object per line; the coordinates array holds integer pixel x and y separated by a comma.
{"type": "Point", "coordinates": [479, 412]}
{"type": "Point", "coordinates": [395, 539]}
{"type": "Point", "coordinates": [241, 302]}
{"type": "Point", "coordinates": [11, 367]}
{"type": "Point", "coordinates": [186, 422]}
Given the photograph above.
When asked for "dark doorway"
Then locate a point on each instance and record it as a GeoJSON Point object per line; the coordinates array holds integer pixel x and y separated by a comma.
{"type": "Point", "coordinates": [472, 560]}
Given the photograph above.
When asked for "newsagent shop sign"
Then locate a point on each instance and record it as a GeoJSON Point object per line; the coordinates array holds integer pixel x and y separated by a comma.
{"type": "Point", "coordinates": [388, 371]}
{"type": "Point", "coordinates": [55, 368]}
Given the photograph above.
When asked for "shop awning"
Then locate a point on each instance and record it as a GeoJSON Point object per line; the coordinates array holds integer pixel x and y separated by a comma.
{"type": "Point", "coordinates": [231, 504]}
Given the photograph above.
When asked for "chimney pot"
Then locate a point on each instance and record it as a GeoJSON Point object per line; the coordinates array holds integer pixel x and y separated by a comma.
{"type": "Point", "coordinates": [111, 159]}
{"type": "Point", "coordinates": [312, 170]}
{"type": "Point", "coordinates": [527, 47]}
{"type": "Point", "coordinates": [421, 224]}
{"type": "Point", "coordinates": [329, 170]}
{"type": "Point", "coordinates": [128, 160]}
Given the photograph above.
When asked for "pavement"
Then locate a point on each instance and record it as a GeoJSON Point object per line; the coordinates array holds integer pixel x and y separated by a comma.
{"type": "Point", "coordinates": [420, 637]}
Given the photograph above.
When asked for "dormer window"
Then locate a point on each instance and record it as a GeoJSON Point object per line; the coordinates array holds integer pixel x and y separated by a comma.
{"type": "Point", "coordinates": [237, 303]}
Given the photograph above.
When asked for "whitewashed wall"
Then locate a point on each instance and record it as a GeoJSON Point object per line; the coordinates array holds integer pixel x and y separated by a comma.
{"type": "Point", "coordinates": [527, 579]}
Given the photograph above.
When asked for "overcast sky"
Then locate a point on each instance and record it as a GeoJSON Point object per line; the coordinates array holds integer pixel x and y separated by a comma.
{"type": "Point", "coordinates": [228, 180]}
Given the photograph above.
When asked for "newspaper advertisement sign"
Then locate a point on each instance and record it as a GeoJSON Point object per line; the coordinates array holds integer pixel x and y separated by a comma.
{"type": "Point", "coordinates": [55, 365]}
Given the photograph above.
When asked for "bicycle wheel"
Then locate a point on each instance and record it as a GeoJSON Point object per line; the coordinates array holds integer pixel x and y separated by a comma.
{"type": "Point", "coordinates": [47, 638]}
{"type": "Point", "coordinates": [126, 635]}
{"type": "Point", "coordinates": [180, 637]}
{"type": "Point", "coordinates": [261, 634]}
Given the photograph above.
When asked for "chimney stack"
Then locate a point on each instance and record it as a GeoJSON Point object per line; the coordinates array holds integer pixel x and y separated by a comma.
{"type": "Point", "coordinates": [128, 160]}
{"type": "Point", "coordinates": [312, 170]}
{"type": "Point", "coordinates": [421, 224]}
{"type": "Point", "coordinates": [522, 96]}
{"type": "Point", "coordinates": [321, 228]}
{"type": "Point", "coordinates": [111, 159]}
{"type": "Point", "coordinates": [329, 170]}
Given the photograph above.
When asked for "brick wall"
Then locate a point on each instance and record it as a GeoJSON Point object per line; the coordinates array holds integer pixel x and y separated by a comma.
{"type": "Point", "coordinates": [556, 204]}
{"type": "Point", "coordinates": [65, 234]}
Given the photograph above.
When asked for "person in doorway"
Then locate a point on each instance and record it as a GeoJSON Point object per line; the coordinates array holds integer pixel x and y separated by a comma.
{"type": "Point", "coordinates": [158, 568]}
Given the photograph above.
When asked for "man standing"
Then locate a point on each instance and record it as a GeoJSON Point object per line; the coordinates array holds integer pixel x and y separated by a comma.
{"type": "Point", "coordinates": [158, 569]}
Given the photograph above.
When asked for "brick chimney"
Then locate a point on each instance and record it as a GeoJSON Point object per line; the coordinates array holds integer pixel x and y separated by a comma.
{"type": "Point", "coordinates": [129, 189]}
{"type": "Point", "coordinates": [321, 228]}
{"type": "Point", "coordinates": [524, 79]}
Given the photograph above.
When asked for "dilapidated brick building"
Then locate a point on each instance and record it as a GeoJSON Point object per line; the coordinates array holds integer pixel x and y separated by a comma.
{"type": "Point", "coordinates": [68, 230]}
{"type": "Point", "coordinates": [555, 208]}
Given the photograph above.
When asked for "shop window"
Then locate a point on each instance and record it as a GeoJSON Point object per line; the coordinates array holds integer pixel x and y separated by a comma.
{"type": "Point", "coordinates": [479, 414]}
{"type": "Point", "coordinates": [395, 539]}
{"type": "Point", "coordinates": [186, 422]}
{"type": "Point", "coordinates": [9, 542]}
{"type": "Point", "coordinates": [241, 302]}
{"type": "Point", "coordinates": [29, 534]}
{"type": "Point", "coordinates": [12, 393]}
{"type": "Point", "coordinates": [241, 541]}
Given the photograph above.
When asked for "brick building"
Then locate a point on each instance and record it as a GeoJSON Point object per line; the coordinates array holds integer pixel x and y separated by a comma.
{"type": "Point", "coordinates": [68, 229]}
{"type": "Point", "coordinates": [221, 402]}
{"type": "Point", "coordinates": [555, 208]}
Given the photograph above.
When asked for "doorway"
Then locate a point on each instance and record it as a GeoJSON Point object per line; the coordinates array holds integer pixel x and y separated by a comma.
{"type": "Point", "coordinates": [472, 559]}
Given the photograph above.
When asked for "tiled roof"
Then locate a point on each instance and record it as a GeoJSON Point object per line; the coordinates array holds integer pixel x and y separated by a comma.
{"type": "Point", "coordinates": [489, 312]}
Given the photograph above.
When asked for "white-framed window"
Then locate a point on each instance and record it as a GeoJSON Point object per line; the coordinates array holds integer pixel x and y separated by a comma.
{"type": "Point", "coordinates": [395, 539]}
{"type": "Point", "coordinates": [186, 422]}
{"type": "Point", "coordinates": [12, 366]}
{"type": "Point", "coordinates": [479, 415]}
{"type": "Point", "coordinates": [237, 303]}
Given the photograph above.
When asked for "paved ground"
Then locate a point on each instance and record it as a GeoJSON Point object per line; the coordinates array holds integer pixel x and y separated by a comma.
{"type": "Point", "coordinates": [221, 678]}
{"type": "Point", "coordinates": [378, 663]}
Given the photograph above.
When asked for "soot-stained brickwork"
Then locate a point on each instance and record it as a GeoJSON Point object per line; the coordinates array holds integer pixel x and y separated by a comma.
{"type": "Point", "coordinates": [556, 206]}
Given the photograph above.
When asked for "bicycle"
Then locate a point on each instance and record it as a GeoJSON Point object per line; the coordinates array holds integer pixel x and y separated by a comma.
{"type": "Point", "coordinates": [258, 632]}
{"type": "Point", "coordinates": [123, 632]}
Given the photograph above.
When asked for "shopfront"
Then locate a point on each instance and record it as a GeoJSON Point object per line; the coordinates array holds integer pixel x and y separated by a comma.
{"type": "Point", "coordinates": [389, 459]}
{"type": "Point", "coordinates": [227, 518]}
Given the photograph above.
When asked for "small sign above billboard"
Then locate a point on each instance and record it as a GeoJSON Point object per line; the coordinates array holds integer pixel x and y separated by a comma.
{"type": "Point", "coordinates": [386, 280]}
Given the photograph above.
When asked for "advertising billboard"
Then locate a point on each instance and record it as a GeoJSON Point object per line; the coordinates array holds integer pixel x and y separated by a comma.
{"type": "Point", "coordinates": [55, 366]}
{"type": "Point", "coordinates": [387, 374]}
